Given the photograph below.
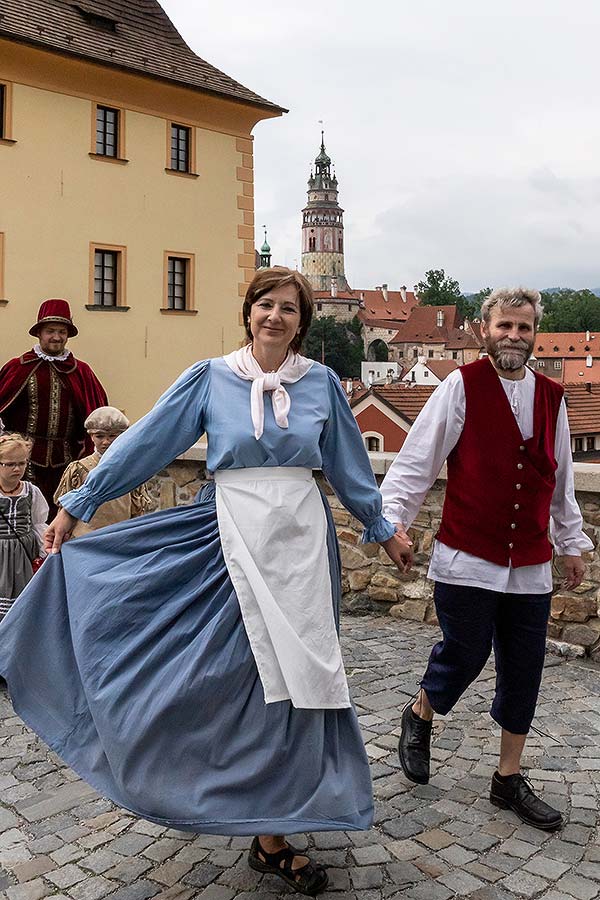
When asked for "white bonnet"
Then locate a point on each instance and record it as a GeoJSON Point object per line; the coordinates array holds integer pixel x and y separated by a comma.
{"type": "Point", "coordinates": [106, 418]}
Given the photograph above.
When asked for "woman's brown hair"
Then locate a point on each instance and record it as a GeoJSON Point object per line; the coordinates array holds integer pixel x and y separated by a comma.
{"type": "Point", "coordinates": [267, 280]}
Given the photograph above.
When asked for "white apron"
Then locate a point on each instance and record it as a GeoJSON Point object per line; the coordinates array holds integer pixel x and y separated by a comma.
{"type": "Point", "coordinates": [274, 535]}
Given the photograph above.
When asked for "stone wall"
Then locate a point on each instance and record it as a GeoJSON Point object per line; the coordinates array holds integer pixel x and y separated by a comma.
{"type": "Point", "coordinates": [371, 583]}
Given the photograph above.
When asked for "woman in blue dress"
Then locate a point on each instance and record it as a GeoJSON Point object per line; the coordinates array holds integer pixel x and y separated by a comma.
{"type": "Point", "coordinates": [191, 669]}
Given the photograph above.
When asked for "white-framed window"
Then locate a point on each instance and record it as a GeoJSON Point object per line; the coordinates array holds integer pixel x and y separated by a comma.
{"type": "Point", "coordinates": [558, 363]}
{"type": "Point", "coordinates": [373, 441]}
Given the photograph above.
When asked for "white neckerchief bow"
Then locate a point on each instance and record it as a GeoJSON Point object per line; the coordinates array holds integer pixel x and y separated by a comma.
{"type": "Point", "coordinates": [292, 369]}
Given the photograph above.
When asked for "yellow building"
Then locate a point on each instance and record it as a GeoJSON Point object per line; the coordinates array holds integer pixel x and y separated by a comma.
{"type": "Point", "coordinates": [126, 187]}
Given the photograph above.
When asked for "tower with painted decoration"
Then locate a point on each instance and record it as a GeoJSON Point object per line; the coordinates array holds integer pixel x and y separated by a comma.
{"type": "Point", "coordinates": [323, 229]}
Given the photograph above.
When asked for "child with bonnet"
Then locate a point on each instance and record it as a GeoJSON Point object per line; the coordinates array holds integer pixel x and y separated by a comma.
{"type": "Point", "coordinates": [104, 425]}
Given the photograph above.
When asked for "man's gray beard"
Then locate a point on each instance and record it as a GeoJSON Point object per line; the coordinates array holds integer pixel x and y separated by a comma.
{"type": "Point", "coordinates": [510, 360]}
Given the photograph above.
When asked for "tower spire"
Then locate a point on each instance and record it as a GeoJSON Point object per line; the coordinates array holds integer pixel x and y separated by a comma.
{"type": "Point", "coordinates": [323, 229]}
{"type": "Point", "coordinates": [265, 252]}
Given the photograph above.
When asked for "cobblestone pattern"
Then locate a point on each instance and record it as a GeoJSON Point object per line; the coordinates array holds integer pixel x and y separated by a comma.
{"type": "Point", "coordinates": [59, 839]}
{"type": "Point", "coordinates": [371, 583]}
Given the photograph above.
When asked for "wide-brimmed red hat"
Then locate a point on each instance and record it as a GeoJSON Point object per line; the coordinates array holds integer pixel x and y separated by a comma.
{"type": "Point", "coordinates": [54, 311]}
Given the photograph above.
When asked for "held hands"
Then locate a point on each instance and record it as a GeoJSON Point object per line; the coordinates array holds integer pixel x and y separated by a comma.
{"type": "Point", "coordinates": [399, 549]}
{"type": "Point", "coordinates": [573, 570]}
{"type": "Point", "coordinates": [59, 530]}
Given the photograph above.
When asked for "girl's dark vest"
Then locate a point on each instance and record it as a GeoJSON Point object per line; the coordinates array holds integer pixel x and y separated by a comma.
{"type": "Point", "coordinates": [500, 486]}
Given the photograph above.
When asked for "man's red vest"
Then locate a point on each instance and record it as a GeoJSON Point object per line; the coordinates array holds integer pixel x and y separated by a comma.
{"type": "Point", "coordinates": [500, 486]}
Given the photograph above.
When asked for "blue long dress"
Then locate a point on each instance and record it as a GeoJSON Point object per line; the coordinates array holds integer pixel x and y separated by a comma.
{"type": "Point", "coordinates": [142, 678]}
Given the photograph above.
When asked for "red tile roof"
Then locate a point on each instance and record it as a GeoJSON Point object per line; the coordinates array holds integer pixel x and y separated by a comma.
{"type": "Point", "coordinates": [575, 370]}
{"type": "Point", "coordinates": [406, 399]}
{"type": "Point", "coordinates": [127, 34]}
{"type": "Point", "coordinates": [583, 403]}
{"type": "Point", "coordinates": [345, 296]}
{"type": "Point", "coordinates": [421, 327]}
{"type": "Point", "coordinates": [462, 340]}
{"type": "Point", "coordinates": [394, 307]}
{"type": "Point", "coordinates": [583, 408]}
{"type": "Point", "coordinates": [441, 368]}
{"type": "Point", "coordinates": [566, 344]}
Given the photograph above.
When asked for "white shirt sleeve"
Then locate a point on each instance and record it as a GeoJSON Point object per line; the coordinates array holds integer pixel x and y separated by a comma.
{"type": "Point", "coordinates": [39, 514]}
{"type": "Point", "coordinates": [434, 434]}
{"type": "Point", "coordinates": [566, 522]}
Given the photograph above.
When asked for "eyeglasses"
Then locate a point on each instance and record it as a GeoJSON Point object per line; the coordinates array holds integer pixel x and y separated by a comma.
{"type": "Point", "coordinates": [14, 465]}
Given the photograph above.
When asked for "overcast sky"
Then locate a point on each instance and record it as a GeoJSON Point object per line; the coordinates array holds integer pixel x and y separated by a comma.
{"type": "Point", "coordinates": [465, 134]}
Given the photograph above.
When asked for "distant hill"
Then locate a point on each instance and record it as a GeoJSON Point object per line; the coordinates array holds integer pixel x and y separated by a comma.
{"type": "Point", "coordinates": [551, 290]}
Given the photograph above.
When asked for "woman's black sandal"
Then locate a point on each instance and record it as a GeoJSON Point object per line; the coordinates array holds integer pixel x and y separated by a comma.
{"type": "Point", "coordinates": [309, 879]}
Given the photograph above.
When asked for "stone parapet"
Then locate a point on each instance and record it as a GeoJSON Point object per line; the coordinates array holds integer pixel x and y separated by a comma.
{"type": "Point", "coordinates": [371, 583]}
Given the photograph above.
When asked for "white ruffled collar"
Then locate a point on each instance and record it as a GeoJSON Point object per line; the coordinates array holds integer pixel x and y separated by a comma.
{"type": "Point", "coordinates": [61, 358]}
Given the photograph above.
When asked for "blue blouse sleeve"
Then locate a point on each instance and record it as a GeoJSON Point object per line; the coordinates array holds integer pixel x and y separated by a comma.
{"type": "Point", "coordinates": [171, 427]}
{"type": "Point", "coordinates": [347, 467]}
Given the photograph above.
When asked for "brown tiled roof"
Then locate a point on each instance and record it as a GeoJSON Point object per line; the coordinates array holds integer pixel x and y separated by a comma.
{"type": "Point", "coordinates": [475, 329]}
{"type": "Point", "coordinates": [421, 326]}
{"type": "Point", "coordinates": [394, 308]}
{"type": "Point", "coordinates": [406, 399]}
{"type": "Point", "coordinates": [441, 368]}
{"type": "Point", "coordinates": [462, 340]}
{"type": "Point", "coordinates": [583, 404]}
{"type": "Point", "coordinates": [142, 39]}
{"type": "Point", "coordinates": [583, 408]}
{"type": "Point", "coordinates": [566, 344]}
{"type": "Point", "coordinates": [379, 323]}
{"type": "Point", "coordinates": [342, 296]}
{"type": "Point", "coordinates": [575, 370]}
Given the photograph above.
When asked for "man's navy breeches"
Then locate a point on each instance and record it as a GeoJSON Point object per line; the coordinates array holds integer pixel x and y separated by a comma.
{"type": "Point", "coordinates": [473, 621]}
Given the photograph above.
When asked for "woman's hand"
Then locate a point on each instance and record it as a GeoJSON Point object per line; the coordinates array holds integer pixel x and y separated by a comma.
{"type": "Point", "coordinates": [399, 549]}
{"type": "Point", "coordinates": [59, 530]}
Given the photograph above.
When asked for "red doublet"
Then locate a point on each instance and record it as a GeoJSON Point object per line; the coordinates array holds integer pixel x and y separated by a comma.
{"type": "Point", "coordinates": [500, 486]}
{"type": "Point", "coordinates": [49, 402]}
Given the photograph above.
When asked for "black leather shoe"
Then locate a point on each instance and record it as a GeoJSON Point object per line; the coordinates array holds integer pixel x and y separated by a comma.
{"type": "Point", "coordinates": [413, 746]}
{"type": "Point", "coordinates": [516, 793]}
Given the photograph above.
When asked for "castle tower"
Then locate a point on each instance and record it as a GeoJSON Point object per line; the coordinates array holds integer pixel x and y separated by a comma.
{"type": "Point", "coordinates": [265, 253]}
{"type": "Point", "coordinates": [323, 229]}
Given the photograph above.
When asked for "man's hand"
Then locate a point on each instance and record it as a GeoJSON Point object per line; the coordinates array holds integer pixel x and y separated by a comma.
{"type": "Point", "coordinates": [399, 549]}
{"type": "Point", "coordinates": [573, 569]}
{"type": "Point", "coordinates": [59, 530]}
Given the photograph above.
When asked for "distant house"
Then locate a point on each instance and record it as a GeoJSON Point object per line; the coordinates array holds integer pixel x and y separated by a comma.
{"type": "Point", "coordinates": [435, 332]}
{"type": "Point", "coordinates": [380, 372]}
{"type": "Point", "coordinates": [583, 408]}
{"type": "Point", "coordinates": [568, 357]}
{"type": "Point", "coordinates": [430, 371]}
{"type": "Point", "coordinates": [386, 412]}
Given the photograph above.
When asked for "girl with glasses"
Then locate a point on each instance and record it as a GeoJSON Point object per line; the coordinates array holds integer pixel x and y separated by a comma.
{"type": "Point", "coordinates": [23, 514]}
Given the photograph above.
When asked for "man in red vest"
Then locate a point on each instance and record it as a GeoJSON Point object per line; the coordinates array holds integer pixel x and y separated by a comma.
{"type": "Point", "coordinates": [503, 430]}
{"type": "Point", "coordinates": [47, 394]}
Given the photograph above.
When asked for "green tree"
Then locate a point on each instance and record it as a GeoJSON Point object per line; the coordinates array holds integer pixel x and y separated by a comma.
{"type": "Point", "coordinates": [471, 306]}
{"type": "Point", "coordinates": [438, 289]}
{"type": "Point", "coordinates": [336, 344]}
{"type": "Point", "coordinates": [569, 310]}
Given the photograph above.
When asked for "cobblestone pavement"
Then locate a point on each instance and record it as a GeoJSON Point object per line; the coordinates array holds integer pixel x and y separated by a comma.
{"type": "Point", "coordinates": [58, 838]}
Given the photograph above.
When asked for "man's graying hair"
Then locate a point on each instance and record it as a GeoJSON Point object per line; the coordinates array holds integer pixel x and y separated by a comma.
{"type": "Point", "coordinates": [517, 296]}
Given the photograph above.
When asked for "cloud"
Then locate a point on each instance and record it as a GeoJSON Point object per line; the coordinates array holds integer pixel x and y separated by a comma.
{"type": "Point", "coordinates": [464, 134]}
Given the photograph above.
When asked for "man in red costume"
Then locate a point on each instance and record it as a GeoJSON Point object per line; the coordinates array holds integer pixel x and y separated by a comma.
{"type": "Point", "coordinates": [47, 394]}
{"type": "Point", "coordinates": [504, 432]}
